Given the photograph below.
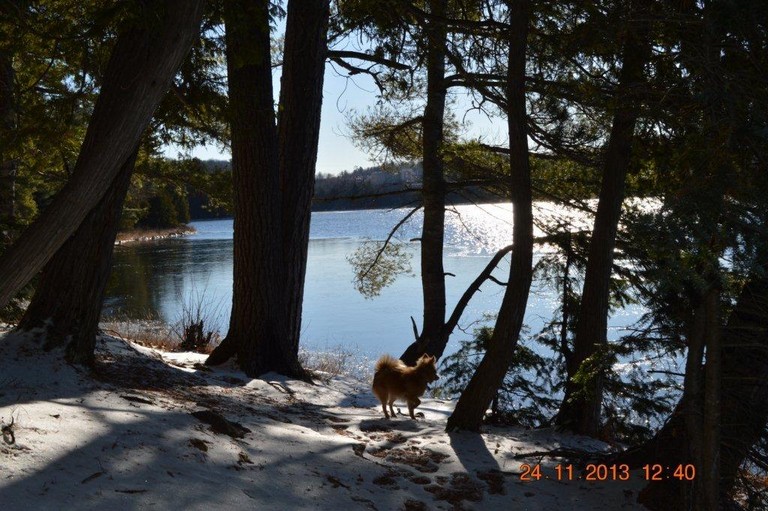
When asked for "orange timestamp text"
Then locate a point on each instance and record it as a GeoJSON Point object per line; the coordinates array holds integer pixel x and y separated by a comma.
{"type": "Point", "coordinates": [605, 472]}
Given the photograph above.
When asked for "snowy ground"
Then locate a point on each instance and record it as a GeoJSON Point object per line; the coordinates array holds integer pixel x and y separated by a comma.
{"type": "Point", "coordinates": [126, 438]}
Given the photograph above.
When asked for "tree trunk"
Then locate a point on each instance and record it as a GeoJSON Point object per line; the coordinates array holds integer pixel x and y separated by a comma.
{"type": "Point", "coordinates": [145, 58]}
{"type": "Point", "coordinates": [257, 321]}
{"type": "Point", "coordinates": [743, 405]}
{"type": "Point", "coordinates": [301, 98]}
{"type": "Point", "coordinates": [744, 382]}
{"type": "Point", "coordinates": [709, 496]}
{"type": "Point", "coordinates": [273, 169]}
{"type": "Point", "coordinates": [70, 294]}
{"type": "Point", "coordinates": [433, 193]}
{"type": "Point", "coordinates": [581, 406]}
{"type": "Point", "coordinates": [489, 375]}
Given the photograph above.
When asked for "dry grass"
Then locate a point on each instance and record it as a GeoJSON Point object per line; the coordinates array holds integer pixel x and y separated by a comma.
{"type": "Point", "coordinates": [151, 333]}
{"type": "Point", "coordinates": [193, 328]}
{"type": "Point", "coordinates": [154, 333]}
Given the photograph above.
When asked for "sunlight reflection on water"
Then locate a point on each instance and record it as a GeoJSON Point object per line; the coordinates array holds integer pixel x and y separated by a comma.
{"type": "Point", "coordinates": [156, 278]}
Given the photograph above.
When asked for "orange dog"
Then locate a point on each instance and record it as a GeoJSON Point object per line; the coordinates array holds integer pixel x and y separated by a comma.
{"type": "Point", "coordinates": [394, 379]}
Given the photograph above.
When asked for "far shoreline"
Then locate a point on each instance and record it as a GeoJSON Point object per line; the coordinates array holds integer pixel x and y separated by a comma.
{"type": "Point", "coordinates": [143, 235]}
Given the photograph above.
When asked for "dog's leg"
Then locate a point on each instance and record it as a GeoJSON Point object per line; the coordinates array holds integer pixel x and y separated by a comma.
{"type": "Point", "coordinates": [392, 408]}
{"type": "Point", "coordinates": [412, 404]}
{"type": "Point", "coordinates": [383, 400]}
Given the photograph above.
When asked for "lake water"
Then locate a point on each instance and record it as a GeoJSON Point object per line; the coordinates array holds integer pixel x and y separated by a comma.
{"type": "Point", "coordinates": [155, 279]}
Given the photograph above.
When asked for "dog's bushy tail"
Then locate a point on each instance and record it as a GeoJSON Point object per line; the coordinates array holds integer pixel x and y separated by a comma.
{"type": "Point", "coordinates": [389, 362]}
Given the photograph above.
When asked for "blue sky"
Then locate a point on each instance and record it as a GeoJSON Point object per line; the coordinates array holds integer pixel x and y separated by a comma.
{"type": "Point", "coordinates": [341, 97]}
{"type": "Point", "coordinates": [336, 152]}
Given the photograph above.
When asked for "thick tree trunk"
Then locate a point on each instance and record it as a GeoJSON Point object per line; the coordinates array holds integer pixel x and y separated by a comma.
{"type": "Point", "coordinates": [488, 377]}
{"type": "Point", "coordinates": [273, 169]}
{"type": "Point", "coordinates": [581, 406]}
{"type": "Point", "coordinates": [140, 70]}
{"type": "Point", "coordinates": [257, 321]}
{"type": "Point", "coordinates": [301, 98]}
{"type": "Point", "coordinates": [431, 340]}
{"type": "Point", "coordinates": [70, 294]}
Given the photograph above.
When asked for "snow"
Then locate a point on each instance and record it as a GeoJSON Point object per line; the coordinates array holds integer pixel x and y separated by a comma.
{"type": "Point", "coordinates": [124, 437]}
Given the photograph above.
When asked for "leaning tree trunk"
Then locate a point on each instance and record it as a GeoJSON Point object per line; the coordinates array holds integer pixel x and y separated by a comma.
{"type": "Point", "coordinates": [431, 339]}
{"type": "Point", "coordinates": [69, 296]}
{"type": "Point", "coordinates": [273, 170]}
{"type": "Point", "coordinates": [146, 56]}
{"type": "Point", "coordinates": [489, 375]}
{"type": "Point", "coordinates": [581, 407]}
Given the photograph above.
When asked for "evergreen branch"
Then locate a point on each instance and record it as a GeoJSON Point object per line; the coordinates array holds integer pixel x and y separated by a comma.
{"type": "Point", "coordinates": [473, 81]}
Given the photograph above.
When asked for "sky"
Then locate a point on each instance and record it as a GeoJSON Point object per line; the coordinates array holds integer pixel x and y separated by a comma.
{"type": "Point", "coordinates": [343, 96]}
{"type": "Point", "coordinates": [336, 152]}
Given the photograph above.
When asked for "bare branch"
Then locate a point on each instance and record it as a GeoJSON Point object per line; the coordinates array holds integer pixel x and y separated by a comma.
{"type": "Point", "coordinates": [337, 55]}
{"type": "Point", "coordinates": [497, 281]}
{"type": "Point", "coordinates": [415, 329]}
{"type": "Point", "coordinates": [389, 238]}
{"type": "Point", "coordinates": [461, 305]}
{"type": "Point", "coordinates": [354, 70]}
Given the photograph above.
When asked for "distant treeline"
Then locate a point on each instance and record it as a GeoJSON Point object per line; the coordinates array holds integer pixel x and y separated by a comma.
{"type": "Point", "coordinates": [362, 188]}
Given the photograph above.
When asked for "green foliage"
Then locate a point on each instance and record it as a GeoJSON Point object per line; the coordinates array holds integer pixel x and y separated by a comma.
{"type": "Point", "coordinates": [161, 212]}
{"type": "Point", "coordinates": [526, 396]}
{"type": "Point", "coordinates": [59, 50]}
{"type": "Point", "coordinates": [635, 401]}
{"type": "Point", "coordinates": [377, 264]}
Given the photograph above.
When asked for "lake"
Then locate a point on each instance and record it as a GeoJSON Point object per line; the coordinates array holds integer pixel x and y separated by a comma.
{"type": "Point", "coordinates": [155, 279]}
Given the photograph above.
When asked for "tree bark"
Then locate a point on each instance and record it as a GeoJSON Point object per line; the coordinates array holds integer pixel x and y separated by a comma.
{"type": "Point", "coordinates": [273, 170]}
{"type": "Point", "coordinates": [257, 320]}
{"type": "Point", "coordinates": [301, 98]}
{"type": "Point", "coordinates": [431, 340]}
{"type": "Point", "coordinates": [581, 408]}
{"type": "Point", "coordinates": [488, 377]}
{"type": "Point", "coordinates": [145, 58]}
{"type": "Point", "coordinates": [69, 296]}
